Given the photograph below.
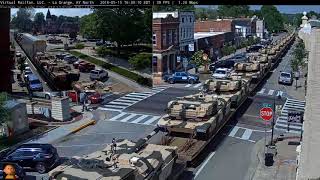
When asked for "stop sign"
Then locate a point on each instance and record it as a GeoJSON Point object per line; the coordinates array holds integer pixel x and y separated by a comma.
{"type": "Point", "coordinates": [266, 113]}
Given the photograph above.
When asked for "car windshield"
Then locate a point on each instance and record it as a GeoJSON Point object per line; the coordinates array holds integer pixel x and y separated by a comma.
{"type": "Point", "coordinates": [220, 72]}
{"type": "Point", "coordinates": [28, 72]}
{"type": "Point", "coordinates": [35, 81]}
{"type": "Point", "coordinates": [285, 75]}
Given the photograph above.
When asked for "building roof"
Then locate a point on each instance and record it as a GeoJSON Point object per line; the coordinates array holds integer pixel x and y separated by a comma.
{"type": "Point", "coordinates": [164, 14]}
{"type": "Point", "coordinates": [314, 23]}
{"type": "Point", "coordinates": [199, 35]}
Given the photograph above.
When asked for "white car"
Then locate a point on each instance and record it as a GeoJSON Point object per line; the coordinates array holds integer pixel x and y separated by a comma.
{"type": "Point", "coordinates": [98, 74]}
{"type": "Point", "coordinates": [46, 95]}
{"type": "Point", "coordinates": [221, 73]}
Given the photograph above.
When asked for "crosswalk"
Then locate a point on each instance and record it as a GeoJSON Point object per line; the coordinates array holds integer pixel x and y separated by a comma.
{"type": "Point", "coordinates": [272, 92]}
{"type": "Point", "coordinates": [130, 99]}
{"type": "Point", "coordinates": [282, 120]}
{"type": "Point", "coordinates": [242, 133]}
{"type": "Point", "coordinates": [135, 118]}
{"type": "Point", "coordinates": [198, 85]}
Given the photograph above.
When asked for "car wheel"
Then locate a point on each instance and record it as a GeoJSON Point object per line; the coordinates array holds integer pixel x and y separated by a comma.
{"type": "Point", "coordinates": [41, 168]}
{"type": "Point", "coordinates": [47, 96]}
{"type": "Point", "coordinates": [191, 81]}
{"type": "Point", "coordinates": [171, 81]}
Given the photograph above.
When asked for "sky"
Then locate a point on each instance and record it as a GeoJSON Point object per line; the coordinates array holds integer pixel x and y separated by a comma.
{"type": "Point", "coordinates": [289, 9]}
{"type": "Point", "coordinates": [60, 11]}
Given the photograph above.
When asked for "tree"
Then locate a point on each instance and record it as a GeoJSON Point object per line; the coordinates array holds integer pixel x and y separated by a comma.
{"type": "Point", "coordinates": [140, 61]}
{"type": "Point", "coordinates": [204, 13]}
{"type": "Point", "coordinates": [233, 11]}
{"type": "Point", "coordinates": [299, 53]}
{"type": "Point", "coordinates": [88, 26]}
{"type": "Point", "coordinates": [22, 21]}
{"type": "Point", "coordinates": [38, 21]}
{"type": "Point", "coordinates": [272, 17]}
{"type": "Point", "coordinates": [198, 60]}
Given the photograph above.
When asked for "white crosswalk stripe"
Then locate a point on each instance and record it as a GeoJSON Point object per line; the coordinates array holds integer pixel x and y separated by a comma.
{"type": "Point", "coordinates": [188, 85]}
{"type": "Point", "coordinates": [134, 118]}
{"type": "Point", "coordinates": [130, 99]}
{"type": "Point", "coordinates": [241, 133]}
{"type": "Point", "coordinates": [282, 120]}
{"type": "Point", "coordinates": [192, 86]}
{"type": "Point", "coordinates": [271, 92]}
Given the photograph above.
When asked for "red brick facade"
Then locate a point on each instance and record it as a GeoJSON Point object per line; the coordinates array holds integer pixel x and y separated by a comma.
{"type": "Point", "coordinates": [214, 26]}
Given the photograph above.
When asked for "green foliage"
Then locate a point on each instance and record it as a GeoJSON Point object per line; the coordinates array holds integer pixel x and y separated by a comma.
{"type": "Point", "coordinates": [39, 21]}
{"type": "Point", "coordinates": [204, 13]}
{"type": "Point", "coordinates": [88, 26]}
{"type": "Point", "coordinates": [79, 46]}
{"type": "Point", "coordinates": [22, 21]}
{"type": "Point", "coordinates": [233, 11]}
{"type": "Point", "coordinates": [197, 58]}
{"type": "Point", "coordinates": [273, 18]}
{"type": "Point", "coordinates": [4, 113]}
{"type": "Point", "coordinates": [299, 53]}
{"type": "Point", "coordinates": [227, 50]}
{"type": "Point", "coordinates": [140, 61]}
{"type": "Point", "coordinates": [131, 75]}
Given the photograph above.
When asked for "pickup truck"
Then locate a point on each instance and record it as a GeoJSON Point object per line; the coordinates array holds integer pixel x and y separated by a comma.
{"type": "Point", "coordinates": [221, 73]}
{"type": "Point", "coordinates": [86, 67]}
{"type": "Point", "coordinates": [181, 77]}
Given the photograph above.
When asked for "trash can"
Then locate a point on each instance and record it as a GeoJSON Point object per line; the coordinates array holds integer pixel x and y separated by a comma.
{"type": "Point", "coordinates": [268, 159]}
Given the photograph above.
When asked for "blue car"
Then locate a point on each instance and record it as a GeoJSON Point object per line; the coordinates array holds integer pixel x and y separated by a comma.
{"type": "Point", "coordinates": [34, 83]}
{"type": "Point", "coordinates": [181, 77]}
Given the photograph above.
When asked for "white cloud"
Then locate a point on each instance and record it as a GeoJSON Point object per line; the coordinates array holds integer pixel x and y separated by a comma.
{"type": "Point", "coordinates": [60, 11]}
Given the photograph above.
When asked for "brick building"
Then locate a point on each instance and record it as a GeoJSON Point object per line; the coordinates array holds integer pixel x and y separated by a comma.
{"type": "Point", "coordinates": [246, 26]}
{"type": "Point", "coordinates": [165, 40]}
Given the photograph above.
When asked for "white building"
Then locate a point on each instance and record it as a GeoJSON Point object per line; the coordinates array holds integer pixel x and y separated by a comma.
{"type": "Point", "coordinates": [260, 28]}
{"type": "Point", "coordinates": [186, 27]}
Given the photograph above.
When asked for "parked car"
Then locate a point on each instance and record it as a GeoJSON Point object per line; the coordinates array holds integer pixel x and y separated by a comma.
{"type": "Point", "coordinates": [181, 77]}
{"type": "Point", "coordinates": [26, 74]}
{"type": "Point", "coordinates": [34, 84]}
{"type": "Point", "coordinates": [239, 57]}
{"type": "Point", "coordinates": [285, 78]}
{"type": "Point", "coordinates": [86, 67]}
{"type": "Point", "coordinates": [54, 41]}
{"type": "Point", "coordinates": [99, 43]}
{"type": "Point", "coordinates": [92, 97]}
{"type": "Point", "coordinates": [18, 54]}
{"type": "Point", "coordinates": [19, 171]}
{"type": "Point", "coordinates": [98, 74]}
{"type": "Point", "coordinates": [222, 64]}
{"type": "Point", "coordinates": [76, 64]}
{"type": "Point", "coordinates": [40, 157]}
{"type": "Point", "coordinates": [221, 73]}
{"type": "Point", "coordinates": [61, 56]}
{"type": "Point", "coordinates": [254, 48]}
{"type": "Point", "coordinates": [46, 95]}
{"type": "Point", "coordinates": [70, 59]}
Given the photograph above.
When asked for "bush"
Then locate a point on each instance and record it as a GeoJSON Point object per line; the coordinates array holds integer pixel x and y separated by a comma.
{"type": "Point", "coordinates": [140, 61]}
{"type": "Point", "coordinates": [79, 46]}
{"type": "Point", "coordinates": [103, 51]}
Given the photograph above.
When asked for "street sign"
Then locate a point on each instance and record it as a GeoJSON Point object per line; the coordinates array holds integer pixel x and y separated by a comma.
{"type": "Point", "coordinates": [295, 116]}
{"type": "Point", "coordinates": [185, 62]}
{"type": "Point", "coordinates": [266, 105]}
{"type": "Point", "coordinates": [178, 59]}
{"type": "Point", "coordinates": [154, 60]}
{"type": "Point", "coordinates": [191, 47]}
{"type": "Point", "coordinates": [266, 113]}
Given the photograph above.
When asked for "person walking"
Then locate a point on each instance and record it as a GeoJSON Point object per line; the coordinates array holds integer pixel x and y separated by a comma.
{"type": "Point", "coordinates": [113, 145]}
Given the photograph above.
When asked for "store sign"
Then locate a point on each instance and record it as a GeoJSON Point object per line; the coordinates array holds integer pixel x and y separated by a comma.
{"type": "Point", "coordinates": [178, 59]}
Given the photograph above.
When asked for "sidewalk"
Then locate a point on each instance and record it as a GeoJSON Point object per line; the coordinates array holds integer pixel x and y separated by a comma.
{"type": "Point", "coordinates": [65, 130]}
{"type": "Point", "coordinates": [284, 166]}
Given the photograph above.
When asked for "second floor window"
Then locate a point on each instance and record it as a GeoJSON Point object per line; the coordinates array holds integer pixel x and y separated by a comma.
{"type": "Point", "coordinates": [154, 39]}
{"type": "Point", "coordinates": [163, 39]}
{"type": "Point", "coordinates": [170, 37]}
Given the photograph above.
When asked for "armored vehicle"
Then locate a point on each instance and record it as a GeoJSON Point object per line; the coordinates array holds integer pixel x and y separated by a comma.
{"type": "Point", "coordinates": [129, 160]}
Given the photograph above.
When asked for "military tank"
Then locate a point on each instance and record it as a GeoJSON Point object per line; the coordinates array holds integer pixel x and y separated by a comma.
{"type": "Point", "coordinates": [130, 160]}
{"type": "Point", "coordinates": [58, 72]}
{"type": "Point", "coordinates": [248, 69]}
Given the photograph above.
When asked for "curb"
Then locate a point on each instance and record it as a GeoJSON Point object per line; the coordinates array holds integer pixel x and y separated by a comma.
{"type": "Point", "coordinates": [75, 130]}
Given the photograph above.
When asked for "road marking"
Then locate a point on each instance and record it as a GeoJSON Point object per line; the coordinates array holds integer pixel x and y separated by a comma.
{"type": "Point", "coordinates": [261, 91]}
{"type": "Point", "coordinates": [128, 118]}
{"type": "Point", "coordinates": [204, 164]}
{"type": "Point", "coordinates": [234, 131]}
{"type": "Point", "coordinates": [199, 84]}
{"type": "Point", "coordinates": [109, 109]}
{"type": "Point", "coordinates": [150, 121]}
{"type": "Point", "coordinates": [271, 92]}
{"type": "Point", "coordinates": [280, 93]}
{"type": "Point", "coordinates": [246, 135]}
{"type": "Point", "coordinates": [141, 94]}
{"type": "Point", "coordinates": [119, 103]}
{"type": "Point", "coordinates": [117, 116]}
{"type": "Point", "coordinates": [243, 139]}
{"type": "Point", "coordinates": [124, 100]}
{"type": "Point", "coordinates": [139, 119]}
{"type": "Point", "coordinates": [135, 95]}
{"type": "Point", "coordinates": [188, 85]}
{"type": "Point", "coordinates": [111, 106]}
{"type": "Point", "coordinates": [130, 98]}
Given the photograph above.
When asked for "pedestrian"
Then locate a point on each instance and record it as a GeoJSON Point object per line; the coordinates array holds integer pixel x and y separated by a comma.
{"type": "Point", "coordinates": [114, 145]}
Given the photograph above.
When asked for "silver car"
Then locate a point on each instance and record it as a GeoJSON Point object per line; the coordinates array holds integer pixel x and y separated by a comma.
{"type": "Point", "coordinates": [285, 78]}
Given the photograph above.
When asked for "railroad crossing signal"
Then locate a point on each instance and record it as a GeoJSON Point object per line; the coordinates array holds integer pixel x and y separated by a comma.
{"type": "Point", "coordinates": [266, 113]}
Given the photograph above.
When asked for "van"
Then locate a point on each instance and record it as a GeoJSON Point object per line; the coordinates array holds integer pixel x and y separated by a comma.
{"type": "Point", "coordinates": [98, 74]}
{"type": "Point", "coordinates": [34, 84]}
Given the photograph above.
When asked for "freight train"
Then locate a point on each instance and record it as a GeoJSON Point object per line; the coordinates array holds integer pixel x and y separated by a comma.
{"type": "Point", "coordinates": [191, 123]}
{"type": "Point", "coordinates": [57, 73]}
